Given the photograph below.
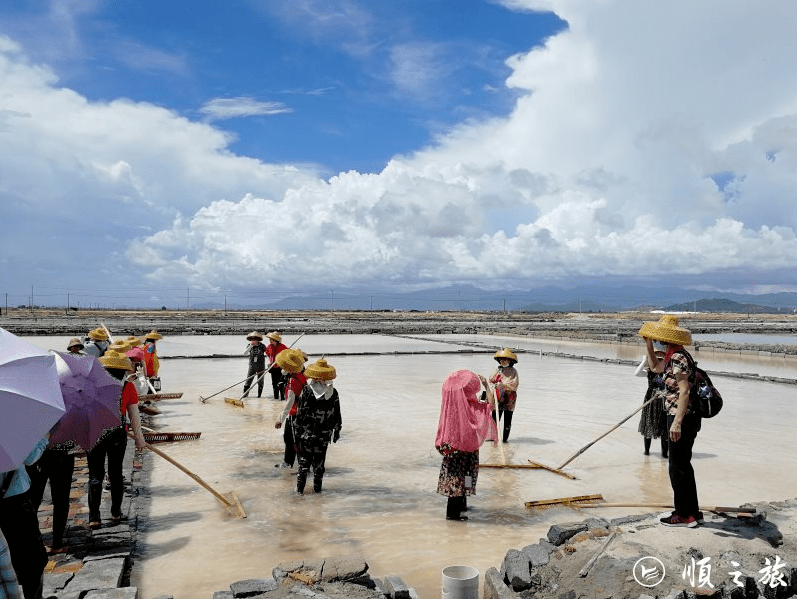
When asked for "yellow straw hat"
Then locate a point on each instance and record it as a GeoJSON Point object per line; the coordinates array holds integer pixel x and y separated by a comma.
{"type": "Point", "coordinates": [153, 334]}
{"type": "Point", "coordinates": [321, 371]}
{"type": "Point", "coordinates": [74, 341]}
{"type": "Point", "coordinates": [291, 360]}
{"type": "Point", "coordinates": [120, 345]}
{"type": "Point", "coordinates": [667, 331]}
{"type": "Point", "coordinates": [506, 354]}
{"type": "Point", "coordinates": [275, 336]}
{"type": "Point", "coordinates": [114, 359]}
{"type": "Point", "coordinates": [133, 341]}
{"type": "Point", "coordinates": [254, 335]}
{"type": "Point", "coordinates": [98, 335]}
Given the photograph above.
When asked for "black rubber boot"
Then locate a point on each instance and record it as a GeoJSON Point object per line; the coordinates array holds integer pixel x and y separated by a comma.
{"type": "Point", "coordinates": [665, 446]}
{"type": "Point", "coordinates": [317, 483]}
{"type": "Point", "coordinates": [647, 445]}
{"type": "Point", "coordinates": [507, 424]}
{"type": "Point", "coordinates": [301, 479]}
{"type": "Point", "coordinates": [454, 509]}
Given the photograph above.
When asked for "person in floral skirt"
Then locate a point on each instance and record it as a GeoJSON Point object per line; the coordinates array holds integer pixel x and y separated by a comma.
{"type": "Point", "coordinates": [465, 423]}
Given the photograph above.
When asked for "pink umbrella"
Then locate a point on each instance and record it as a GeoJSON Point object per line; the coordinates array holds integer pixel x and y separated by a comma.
{"type": "Point", "coordinates": [30, 398]}
{"type": "Point", "coordinates": [92, 399]}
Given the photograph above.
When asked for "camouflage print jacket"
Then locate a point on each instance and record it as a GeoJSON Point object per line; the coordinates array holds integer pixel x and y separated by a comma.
{"type": "Point", "coordinates": [316, 418]}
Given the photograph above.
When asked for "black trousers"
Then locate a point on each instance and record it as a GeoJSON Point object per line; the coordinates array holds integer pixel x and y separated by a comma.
{"type": "Point", "coordinates": [507, 417]}
{"type": "Point", "coordinates": [682, 475]}
{"type": "Point", "coordinates": [312, 454]}
{"type": "Point", "coordinates": [56, 466]}
{"type": "Point", "coordinates": [20, 525]}
{"type": "Point", "coordinates": [290, 447]}
{"type": "Point", "coordinates": [277, 383]}
{"type": "Point", "coordinates": [252, 374]}
{"type": "Point", "coordinates": [113, 447]}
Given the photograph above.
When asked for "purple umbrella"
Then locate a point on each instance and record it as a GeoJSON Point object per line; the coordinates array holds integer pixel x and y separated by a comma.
{"type": "Point", "coordinates": [30, 398]}
{"type": "Point", "coordinates": [92, 399]}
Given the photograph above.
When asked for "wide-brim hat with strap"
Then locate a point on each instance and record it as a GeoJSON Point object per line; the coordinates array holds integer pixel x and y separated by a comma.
{"type": "Point", "coordinates": [320, 371]}
{"type": "Point", "coordinates": [115, 359]}
{"type": "Point", "coordinates": [505, 354]}
{"type": "Point", "coordinates": [254, 335]}
{"type": "Point", "coordinates": [291, 360]}
{"type": "Point", "coordinates": [75, 342]}
{"type": "Point", "coordinates": [133, 341]}
{"type": "Point", "coordinates": [98, 335]}
{"type": "Point", "coordinates": [667, 331]}
{"type": "Point", "coordinates": [275, 336]}
{"type": "Point", "coordinates": [153, 334]}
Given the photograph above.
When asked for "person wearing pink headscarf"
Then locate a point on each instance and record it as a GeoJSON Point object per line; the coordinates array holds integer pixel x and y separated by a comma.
{"type": "Point", "coordinates": [465, 423]}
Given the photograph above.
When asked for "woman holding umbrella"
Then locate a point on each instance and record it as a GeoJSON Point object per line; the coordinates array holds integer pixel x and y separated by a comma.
{"type": "Point", "coordinates": [113, 443]}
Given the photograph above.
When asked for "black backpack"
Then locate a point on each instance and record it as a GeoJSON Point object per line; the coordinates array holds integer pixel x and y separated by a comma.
{"type": "Point", "coordinates": [704, 398]}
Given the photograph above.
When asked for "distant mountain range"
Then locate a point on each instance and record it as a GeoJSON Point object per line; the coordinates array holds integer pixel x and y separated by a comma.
{"type": "Point", "coordinates": [544, 299]}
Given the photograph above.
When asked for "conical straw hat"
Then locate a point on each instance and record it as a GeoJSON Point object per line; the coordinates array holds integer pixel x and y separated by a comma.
{"type": "Point", "coordinates": [114, 359]}
{"type": "Point", "coordinates": [320, 370]}
{"type": "Point", "coordinates": [291, 360]}
{"type": "Point", "coordinates": [507, 354]}
{"type": "Point", "coordinates": [667, 331]}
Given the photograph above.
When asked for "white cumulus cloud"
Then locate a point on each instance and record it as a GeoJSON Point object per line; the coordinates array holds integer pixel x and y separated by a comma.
{"type": "Point", "coordinates": [649, 139]}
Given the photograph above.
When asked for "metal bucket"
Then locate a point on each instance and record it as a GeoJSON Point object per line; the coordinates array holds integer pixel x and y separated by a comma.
{"type": "Point", "coordinates": [460, 582]}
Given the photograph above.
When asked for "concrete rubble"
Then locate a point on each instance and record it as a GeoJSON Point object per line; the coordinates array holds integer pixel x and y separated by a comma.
{"type": "Point", "coordinates": [554, 568]}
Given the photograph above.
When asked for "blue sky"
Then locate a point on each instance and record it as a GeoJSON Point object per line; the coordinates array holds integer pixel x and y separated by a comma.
{"type": "Point", "coordinates": [285, 147]}
{"type": "Point", "coordinates": [336, 85]}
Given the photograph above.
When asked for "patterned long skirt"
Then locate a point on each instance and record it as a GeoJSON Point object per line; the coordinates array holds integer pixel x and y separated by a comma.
{"type": "Point", "coordinates": [653, 419]}
{"type": "Point", "coordinates": [458, 473]}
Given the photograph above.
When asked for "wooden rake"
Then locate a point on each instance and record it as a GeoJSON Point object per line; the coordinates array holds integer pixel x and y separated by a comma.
{"type": "Point", "coordinates": [229, 500]}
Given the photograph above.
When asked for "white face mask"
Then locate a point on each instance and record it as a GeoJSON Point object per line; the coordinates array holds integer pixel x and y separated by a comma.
{"type": "Point", "coordinates": [321, 388]}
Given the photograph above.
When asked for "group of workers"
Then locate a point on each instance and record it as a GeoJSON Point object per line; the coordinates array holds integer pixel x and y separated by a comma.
{"type": "Point", "coordinates": [471, 408]}
{"type": "Point", "coordinates": [311, 416]}
{"type": "Point", "coordinates": [468, 408]}
{"type": "Point", "coordinates": [132, 362]}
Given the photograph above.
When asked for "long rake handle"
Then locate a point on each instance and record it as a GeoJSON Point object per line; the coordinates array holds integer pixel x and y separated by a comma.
{"type": "Point", "coordinates": [216, 494]}
{"type": "Point", "coordinates": [616, 426]}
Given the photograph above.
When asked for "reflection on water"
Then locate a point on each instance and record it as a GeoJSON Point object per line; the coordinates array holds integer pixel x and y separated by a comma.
{"type": "Point", "coordinates": [379, 495]}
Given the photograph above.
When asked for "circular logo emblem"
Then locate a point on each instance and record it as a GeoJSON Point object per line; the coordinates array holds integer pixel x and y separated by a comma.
{"type": "Point", "coordinates": [648, 571]}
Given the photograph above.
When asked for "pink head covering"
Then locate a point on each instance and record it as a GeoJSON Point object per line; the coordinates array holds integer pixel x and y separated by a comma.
{"type": "Point", "coordinates": [465, 422]}
{"type": "Point", "coordinates": [135, 354]}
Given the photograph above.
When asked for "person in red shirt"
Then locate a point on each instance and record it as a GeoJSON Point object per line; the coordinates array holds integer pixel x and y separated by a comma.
{"type": "Point", "coordinates": [274, 347]}
{"type": "Point", "coordinates": [291, 361]}
{"type": "Point", "coordinates": [114, 443]}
